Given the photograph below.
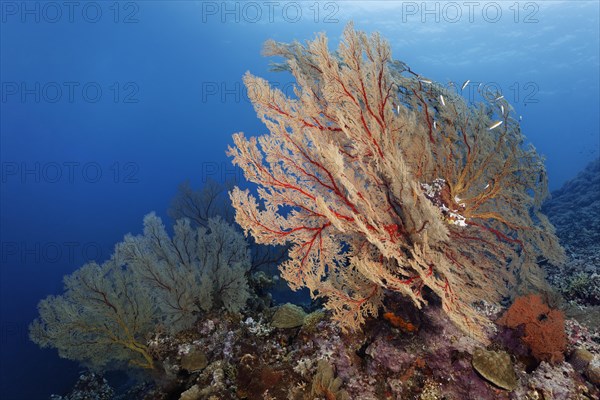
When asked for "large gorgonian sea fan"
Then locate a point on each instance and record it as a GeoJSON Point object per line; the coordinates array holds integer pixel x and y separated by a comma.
{"type": "Point", "coordinates": [383, 180]}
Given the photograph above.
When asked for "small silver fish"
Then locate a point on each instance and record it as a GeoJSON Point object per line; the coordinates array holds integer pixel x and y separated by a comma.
{"type": "Point", "coordinates": [425, 81]}
{"type": "Point", "coordinates": [398, 109]}
{"type": "Point", "coordinates": [442, 100]}
{"type": "Point", "coordinates": [499, 98]}
{"type": "Point", "coordinates": [502, 109]}
{"type": "Point", "coordinates": [495, 125]}
{"type": "Point", "coordinates": [464, 85]}
{"type": "Point", "coordinates": [435, 125]}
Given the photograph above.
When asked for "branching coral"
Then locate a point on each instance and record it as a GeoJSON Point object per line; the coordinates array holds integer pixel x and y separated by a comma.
{"type": "Point", "coordinates": [198, 269]}
{"type": "Point", "coordinates": [101, 318]}
{"type": "Point", "coordinates": [383, 180]}
{"type": "Point", "coordinates": [325, 383]}
{"type": "Point", "coordinates": [544, 327]}
{"type": "Point", "coordinates": [107, 310]}
{"type": "Point", "coordinates": [212, 201]}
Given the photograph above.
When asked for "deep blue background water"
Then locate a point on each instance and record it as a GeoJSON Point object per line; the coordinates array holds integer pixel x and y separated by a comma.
{"type": "Point", "coordinates": [106, 107]}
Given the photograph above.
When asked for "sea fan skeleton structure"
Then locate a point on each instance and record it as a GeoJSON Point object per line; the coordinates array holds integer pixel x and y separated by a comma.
{"type": "Point", "coordinates": [385, 181]}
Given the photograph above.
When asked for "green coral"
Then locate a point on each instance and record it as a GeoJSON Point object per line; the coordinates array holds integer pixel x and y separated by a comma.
{"type": "Point", "coordinates": [496, 367]}
{"type": "Point", "coordinates": [312, 319]}
{"type": "Point", "coordinates": [288, 316]}
{"type": "Point", "coordinates": [583, 286]}
{"type": "Point", "coordinates": [326, 384]}
{"type": "Point", "coordinates": [107, 311]}
{"type": "Point", "coordinates": [102, 318]}
{"type": "Point", "coordinates": [194, 361]}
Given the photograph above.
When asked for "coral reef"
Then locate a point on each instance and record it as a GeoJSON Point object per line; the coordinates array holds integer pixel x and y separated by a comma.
{"type": "Point", "coordinates": [89, 386]}
{"type": "Point", "coordinates": [393, 194]}
{"type": "Point", "coordinates": [575, 211]}
{"type": "Point", "coordinates": [557, 382]}
{"type": "Point", "coordinates": [232, 356]}
{"type": "Point", "coordinates": [245, 358]}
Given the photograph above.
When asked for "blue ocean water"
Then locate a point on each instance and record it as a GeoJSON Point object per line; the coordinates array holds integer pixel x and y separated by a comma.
{"type": "Point", "coordinates": [107, 106]}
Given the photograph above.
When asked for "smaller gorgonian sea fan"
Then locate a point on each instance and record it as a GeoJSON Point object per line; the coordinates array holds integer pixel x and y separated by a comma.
{"type": "Point", "coordinates": [384, 180]}
{"type": "Point", "coordinates": [544, 327]}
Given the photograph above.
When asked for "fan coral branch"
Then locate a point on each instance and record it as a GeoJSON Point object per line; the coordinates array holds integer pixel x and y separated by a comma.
{"type": "Point", "coordinates": [382, 180]}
